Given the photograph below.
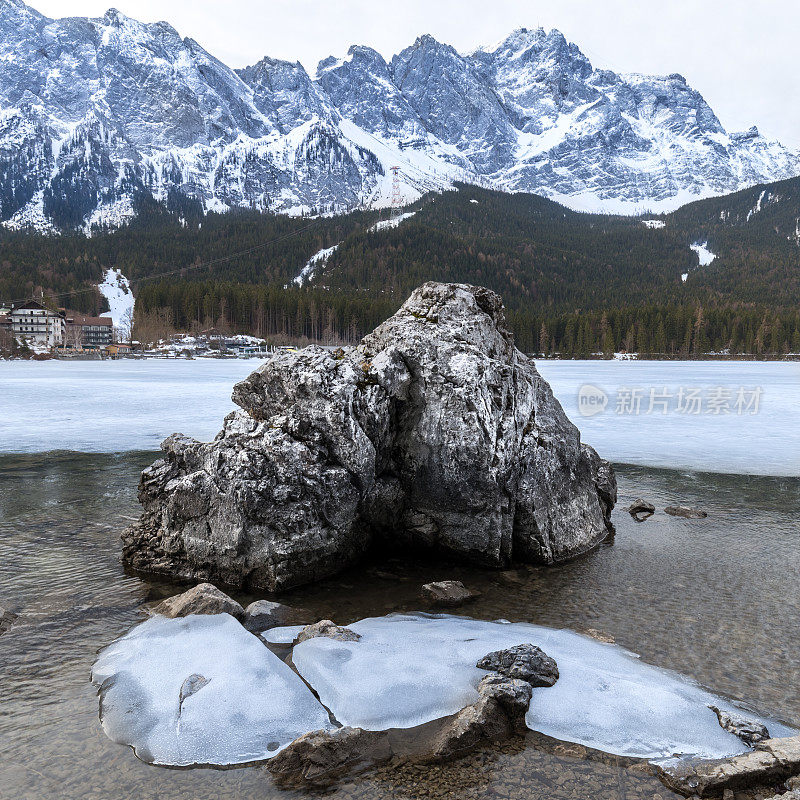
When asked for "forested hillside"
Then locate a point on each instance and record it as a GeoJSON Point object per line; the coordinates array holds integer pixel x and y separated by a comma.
{"type": "Point", "coordinates": [573, 283]}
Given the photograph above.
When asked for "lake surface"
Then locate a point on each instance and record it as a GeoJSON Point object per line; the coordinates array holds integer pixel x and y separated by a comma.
{"type": "Point", "coordinates": [692, 421]}
{"type": "Point", "coordinates": [714, 599]}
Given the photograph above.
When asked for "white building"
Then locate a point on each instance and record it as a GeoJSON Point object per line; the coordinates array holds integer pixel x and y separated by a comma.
{"type": "Point", "coordinates": [38, 326]}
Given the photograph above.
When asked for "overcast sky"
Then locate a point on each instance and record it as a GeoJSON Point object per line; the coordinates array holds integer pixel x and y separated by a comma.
{"type": "Point", "coordinates": [741, 54]}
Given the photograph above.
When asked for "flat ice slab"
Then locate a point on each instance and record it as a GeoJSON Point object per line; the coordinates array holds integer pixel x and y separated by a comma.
{"type": "Point", "coordinates": [410, 669]}
{"type": "Point", "coordinates": [201, 690]}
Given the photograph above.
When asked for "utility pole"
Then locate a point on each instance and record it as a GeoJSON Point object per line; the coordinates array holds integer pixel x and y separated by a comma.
{"type": "Point", "coordinates": [397, 198]}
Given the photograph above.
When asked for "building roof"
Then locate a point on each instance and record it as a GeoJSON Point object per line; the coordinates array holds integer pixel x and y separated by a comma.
{"type": "Point", "coordinates": [76, 318]}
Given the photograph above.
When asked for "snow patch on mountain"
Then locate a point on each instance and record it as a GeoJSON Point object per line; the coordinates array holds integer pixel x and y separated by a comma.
{"type": "Point", "coordinates": [704, 255]}
{"type": "Point", "coordinates": [117, 291]}
{"type": "Point", "coordinates": [313, 264]}
{"type": "Point", "coordinates": [386, 224]}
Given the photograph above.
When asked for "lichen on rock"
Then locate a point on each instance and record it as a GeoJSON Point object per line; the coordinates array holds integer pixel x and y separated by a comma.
{"type": "Point", "coordinates": [434, 433]}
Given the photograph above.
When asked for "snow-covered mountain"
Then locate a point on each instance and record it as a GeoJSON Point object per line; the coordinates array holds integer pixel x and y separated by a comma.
{"type": "Point", "coordinates": [95, 113]}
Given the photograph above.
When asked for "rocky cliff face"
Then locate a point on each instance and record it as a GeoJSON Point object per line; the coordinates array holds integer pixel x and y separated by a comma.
{"type": "Point", "coordinates": [97, 112]}
{"type": "Point", "coordinates": [435, 433]}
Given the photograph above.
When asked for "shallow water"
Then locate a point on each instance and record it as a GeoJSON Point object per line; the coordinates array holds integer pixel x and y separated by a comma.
{"type": "Point", "coordinates": [713, 598]}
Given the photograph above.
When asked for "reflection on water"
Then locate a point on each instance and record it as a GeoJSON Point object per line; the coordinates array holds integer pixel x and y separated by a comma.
{"type": "Point", "coordinates": [711, 598]}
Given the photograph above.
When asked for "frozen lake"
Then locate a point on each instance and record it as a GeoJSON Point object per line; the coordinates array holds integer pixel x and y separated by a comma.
{"type": "Point", "coordinates": [716, 416]}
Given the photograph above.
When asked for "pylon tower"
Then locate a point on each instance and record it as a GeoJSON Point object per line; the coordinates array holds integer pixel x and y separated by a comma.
{"type": "Point", "coordinates": [397, 198]}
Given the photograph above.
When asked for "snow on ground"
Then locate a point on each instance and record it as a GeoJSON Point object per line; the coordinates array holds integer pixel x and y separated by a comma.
{"type": "Point", "coordinates": [703, 253]}
{"type": "Point", "coordinates": [314, 263]}
{"type": "Point", "coordinates": [113, 406]}
{"type": "Point", "coordinates": [654, 223]}
{"type": "Point", "coordinates": [409, 669]}
{"type": "Point", "coordinates": [201, 690]}
{"type": "Point", "coordinates": [385, 224]}
{"type": "Point", "coordinates": [117, 291]}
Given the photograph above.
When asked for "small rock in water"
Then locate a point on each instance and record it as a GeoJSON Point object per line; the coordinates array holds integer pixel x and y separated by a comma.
{"type": "Point", "coordinates": [525, 662]}
{"type": "Point", "coordinates": [6, 619]}
{"type": "Point", "coordinates": [686, 512]}
{"type": "Point", "coordinates": [447, 593]}
{"type": "Point", "coordinates": [204, 598]}
{"type": "Point", "coordinates": [748, 730]}
{"type": "Point", "coordinates": [328, 629]}
{"type": "Point", "coordinates": [640, 509]}
{"type": "Point", "coordinates": [264, 614]}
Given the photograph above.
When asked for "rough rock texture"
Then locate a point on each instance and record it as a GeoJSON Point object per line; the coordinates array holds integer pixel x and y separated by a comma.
{"type": "Point", "coordinates": [773, 761]}
{"type": "Point", "coordinates": [434, 433]}
{"type": "Point", "coordinates": [321, 757]}
{"type": "Point", "coordinates": [264, 614]}
{"type": "Point", "coordinates": [686, 512]}
{"type": "Point", "coordinates": [6, 619]}
{"type": "Point", "coordinates": [526, 662]}
{"type": "Point", "coordinates": [496, 715]}
{"type": "Point", "coordinates": [204, 598]}
{"type": "Point", "coordinates": [328, 629]}
{"type": "Point", "coordinates": [748, 730]}
{"type": "Point", "coordinates": [447, 593]}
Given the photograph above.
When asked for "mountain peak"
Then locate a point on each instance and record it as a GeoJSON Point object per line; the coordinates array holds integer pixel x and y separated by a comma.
{"type": "Point", "coordinates": [529, 115]}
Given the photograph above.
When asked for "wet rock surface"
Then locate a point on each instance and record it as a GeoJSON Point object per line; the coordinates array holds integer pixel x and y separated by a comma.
{"type": "Point", "coordinates": [448, 594]}
{"type": "Point", "coordinates": [686, 512]}
{"type": "Point", "coordinates": [434, 433]}
{"type": "Point", "coordinates": [771, 763]}
{"type": "Point", "coordinates": [640, 510]}
{"type": "Point", "coordinates": [7, 619]}
{"type": "Point", "coordinates": [525, 662]}
{"type": "Point", "coordinates": [204, 598]}
{"type": "Point", "coordinates": [264, 614]}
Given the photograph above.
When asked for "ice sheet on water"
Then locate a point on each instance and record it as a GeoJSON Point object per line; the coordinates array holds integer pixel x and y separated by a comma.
{"type": "Point", "coordinates": [201, 690]}
{"type": "Point", "coordinates": [409, 669]}
{"type": "Point", "coordinates": [283, 635]}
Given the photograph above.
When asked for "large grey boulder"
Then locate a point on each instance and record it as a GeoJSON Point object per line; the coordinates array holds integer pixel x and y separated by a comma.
{"type": "Point", "coordinates": [435, 432]}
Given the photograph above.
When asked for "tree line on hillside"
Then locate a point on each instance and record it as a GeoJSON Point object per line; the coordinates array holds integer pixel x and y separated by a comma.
{"type": "Point", "coordinates": [337, 317]}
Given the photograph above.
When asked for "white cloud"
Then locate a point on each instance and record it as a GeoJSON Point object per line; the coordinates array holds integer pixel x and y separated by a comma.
{"type": "Point", "coordinates": [741, 55]}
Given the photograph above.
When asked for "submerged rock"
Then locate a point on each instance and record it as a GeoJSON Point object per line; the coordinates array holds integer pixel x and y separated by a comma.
{"type": "Point", "coordinates": [525, 661]}
{"type": "Point", "coordinates": [774, 761]}
{"type": "Point", "coordinates": [328, 629]}
{"type": "Point", "coordinates": [204, 598]}
{"type": "Point", "coordinates": [640, 510]}
{"type": "Point", "coordinates": [750, 731]}
{"type": "Point", "coordinates": [435, 433]}
{"type": "Point", "coordinates": [686, 512]}
{"type": "Point", "coordinates": [7, 619]}
{"type": "Point", "coordinates": [447, 593]}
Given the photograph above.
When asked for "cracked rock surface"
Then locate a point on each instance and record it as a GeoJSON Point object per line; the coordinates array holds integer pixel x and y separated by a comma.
{"type": "Point", "coordinates": [434, 433]}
